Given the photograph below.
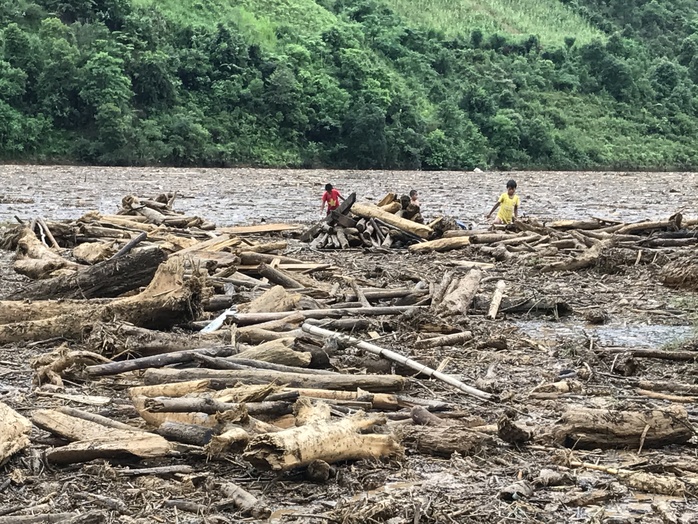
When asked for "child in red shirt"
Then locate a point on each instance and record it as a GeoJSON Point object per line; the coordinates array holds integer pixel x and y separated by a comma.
{"type": "Point", "coordinates": [330, 197]}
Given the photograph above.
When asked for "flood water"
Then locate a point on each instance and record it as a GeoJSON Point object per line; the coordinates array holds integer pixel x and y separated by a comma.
{"type": "Point", "coordinates": [241, 196]}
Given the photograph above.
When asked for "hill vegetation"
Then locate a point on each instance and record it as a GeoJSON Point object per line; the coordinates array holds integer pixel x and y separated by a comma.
{"type": "Point", "coordinates": [580, 84]}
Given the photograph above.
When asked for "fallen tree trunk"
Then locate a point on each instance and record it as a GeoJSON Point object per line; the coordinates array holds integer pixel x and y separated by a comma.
{"type": "Point", "coordinates": [319, 439]}
{"type": "Point", "coordinates": [168, 300]}
{"type": "Point", "coordinates": [368, 382]}
{"type": "Point", "coordinates": [106, 279]}
{"type": "Point", "coordinates": [496, 300]}
{"type": "Point", "coordinates": [445, 340]}
{"type": "Point", "coordinates": [444, 440]}
{"type": "Point", "coordinates": [600, 428]}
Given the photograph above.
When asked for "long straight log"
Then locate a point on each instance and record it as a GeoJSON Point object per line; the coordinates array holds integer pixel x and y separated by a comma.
{"type": "Point", "coordinates": [176, 357]}
{"type": "Point", "coordinates": [244, 319]}
{"type": "Point", "coordinates": [396, 357]}
{"type": "Point", "coordinates": [212, 406]}
{"type": "Point", "coordinates": [440, 245]}
{"type": "Point", "coordinates": [106, 279]}
{"type": "Point", "coordinates": [377, 383]}
{"type": "Point", "coordinates": [445, 340]}
{"type": "Point", "coordinates": [371, 211]}
{"type": "Point", "coordinates": [278, 277]}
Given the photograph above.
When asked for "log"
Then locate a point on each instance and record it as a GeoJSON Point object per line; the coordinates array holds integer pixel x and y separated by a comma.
{"type": "Point", "coordinates": [396, 357]}
{"type": "Point", "coordinates": [575, 224]}
{"type": "Point", "coordinates": [377, 383]}
{"type": "Point", "coordinates": [490, 238]}
{"type": "Point", "coordinates": [49, 518]}
{"type": "Point", "coordinates": [279, 352]}
{"type": "Point", "coordinates": [110, 338]}
{"type": "Point", "coordinates": [524, 305]}
{"type": "Point", "coordinates": [445, 340]}
{"type": "Point", "coordinates": [496, 300]}
{"type": "Point", "coordinates": [212, 406]}
{"type": "Point", "coordinates": [106, 279]}
{"type": "Point", "coordinates": [34, 259]}
{"type": "Point", "coordinates": [600, 428]}
{"type": "Point", "coordinates": [278, 276]}
{"type": "Point", "coordinates": [243, 319]}
{"type": "Point", "coordinates": [586, 259]}
{"type": "Point", "coordinates": [319, 439]}
{"type": "Point", "coordinates": [168, 300]}
{"type": "Point", "coordinates": [650, 225]}
{"type": "Point", "coordinates": [255, 335]}
{"type": "Point", "coordinates": [14, 432]}
{"type": "Point", "coordinates": [440, 245]}
{"type": "Point", "coordinates": [274, 300]}
{"type": "Point", "coordinates": [444, 440]}
{"type": "Point", "coordinates": [371, 211]}
{"type": "Point", "coordinates": [247, 503]}
{"type": "Point", "coordinates": [653, 353]}
{"type": "Point", "coordinates": [175, 357]}
{"type": "Point", "coordinates": [93, 252]}
{"type": "Point", "coordinates": [186, 433]}
{"type": "Point", "coordinates": [459, 295]}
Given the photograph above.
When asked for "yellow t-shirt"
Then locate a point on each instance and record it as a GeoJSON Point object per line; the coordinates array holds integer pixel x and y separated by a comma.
{"type": "Point", "coordinates": [506, 207]}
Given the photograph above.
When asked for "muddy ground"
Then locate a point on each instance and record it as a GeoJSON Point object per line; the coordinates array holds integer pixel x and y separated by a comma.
{"type": "Point", "coordinates": [414, 488]}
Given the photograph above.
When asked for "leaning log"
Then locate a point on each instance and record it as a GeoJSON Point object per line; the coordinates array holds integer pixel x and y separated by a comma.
{"type": "Point", "coordinates": [299, 380]}
{"type": "Point", "coordinates": [601, 428]}
{"type": "Point", "coordinates": [320, 439]}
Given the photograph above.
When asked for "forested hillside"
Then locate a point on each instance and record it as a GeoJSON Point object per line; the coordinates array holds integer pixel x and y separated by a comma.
{"type": "Point", "coordinates": [458, 84]}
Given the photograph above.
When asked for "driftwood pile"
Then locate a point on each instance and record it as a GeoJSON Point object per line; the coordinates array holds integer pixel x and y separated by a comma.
{"type": "Point", "coordinates": [392, 223]}
{"type": "Point", "coordinates": [227, 348]}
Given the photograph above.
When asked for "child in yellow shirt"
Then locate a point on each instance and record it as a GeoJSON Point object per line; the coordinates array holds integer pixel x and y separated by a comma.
{"type": "Point", "coordinates": [509, 203]}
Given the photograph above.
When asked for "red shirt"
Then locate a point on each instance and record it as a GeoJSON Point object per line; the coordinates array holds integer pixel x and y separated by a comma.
{"type": "Point", "coordinates": [332, 199]}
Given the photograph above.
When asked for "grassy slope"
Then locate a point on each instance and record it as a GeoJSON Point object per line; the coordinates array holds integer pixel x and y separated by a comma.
{"type": "Point", "coordinates": [549, 19]}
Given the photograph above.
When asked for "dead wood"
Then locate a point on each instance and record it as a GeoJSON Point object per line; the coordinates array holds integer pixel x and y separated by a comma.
{"type": "Point", "coordinates": [278, 276]}
{"type": "Point", "coordinates": [48, 518]}
{"type": "Point", "coordinates": [255, 335]}
{"type": "Point", "coordinates": [316, 438]}
{"type": "Point", "coordinates": [440, 245]}
{"type": "Point", "coordinates": [186, 433]}
{"type": "Point", "coordinates": [279, 352]}
{"type": "Point", "coordinates": [459, 295]}
{"type": "Point", "coordinates": [496, 300]}
{"type": "Point", "coordinates": [247, 503]}
{"type": "Point", "coordinates": [93, 440]}
{"type": "Point", "coordinates": [112, 338]}
{"type": "Point", "coordinates": [93, 252]}
{"type": "Point", "coordinates": [243, 319]}
{"type": "Point", "coordinates": [444, 340]}
{"type": "Point", "coordinates": [273, 300]}
{"type": "Point", "coordinates": [175, 357]}
{"type": "Point", "coordinates": [14, 432]}
{"type": "Point", "coordinates": [444, 440]}
{"type": "Point", "coordinates": [681, 273]}
{"type": "Point", "coordinates": [368, 382]}
{"type": "Point", "coordinates": [168, 300]}
{"type": "Point", "coordinates": [212, 406]}
{"type": "Point", "coordinates": [371, 211]}
{"type": "Point", "coordinates": [586, 259]}
{"type": "Point", "coordinates": [511, 432]}
{"type": "Point", "coordinates": [599, 428]}
{"type": "Point", "coordinates": [400, 359]}
{"type": "Point", "coordinates": [35, 260]}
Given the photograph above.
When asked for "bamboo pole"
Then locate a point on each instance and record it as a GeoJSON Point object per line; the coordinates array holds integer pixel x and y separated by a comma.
{"type": "Point", "coordinates": [396, 357]}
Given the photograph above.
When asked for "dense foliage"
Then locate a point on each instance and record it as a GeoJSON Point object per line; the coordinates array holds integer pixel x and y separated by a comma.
{"type": "Point", "coordinates": [346, 83]}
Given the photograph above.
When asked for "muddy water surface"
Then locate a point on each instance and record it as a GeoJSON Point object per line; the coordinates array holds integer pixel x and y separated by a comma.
{"type": "Point", "coordinates": [238, 196]}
